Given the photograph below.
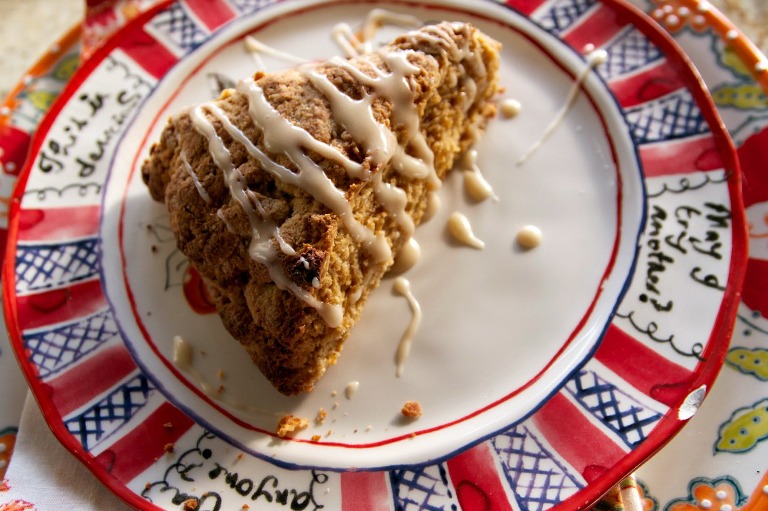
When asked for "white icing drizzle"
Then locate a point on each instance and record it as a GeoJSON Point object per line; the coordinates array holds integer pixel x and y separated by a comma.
{"type": "Point", "coordinates": [402, 287]}
{"type": "Point", "coordinates": [394, 87]}
{"type": "Point", "coordinates": [354, 44]}
{"type": "Point", "coordinates": [280, 136]}
{"type": "Point", "coordinates": [380, 17]}
{"type": "Point", "coordinates": [256, 47]}
{"type": "Point", "coordinates": [461, 230]}
{"type": "Point", "coordinates": [345, 37]}
{"type": "Point", "coordinates": [190, 171]}
{"type": "Point", "coordinates": [263, 229]}
{"type": "Point", "coordinates": [474, 182]}
{"type": "Point", "coordinates": [594, 59]}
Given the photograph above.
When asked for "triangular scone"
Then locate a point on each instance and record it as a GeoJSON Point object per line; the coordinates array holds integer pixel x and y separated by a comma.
{"type": "Point", "coordinates": [292, 193]}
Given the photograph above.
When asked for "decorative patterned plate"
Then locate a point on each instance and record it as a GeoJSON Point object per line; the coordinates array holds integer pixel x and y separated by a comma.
{"type": "Point", "coordinates": [658, 355]}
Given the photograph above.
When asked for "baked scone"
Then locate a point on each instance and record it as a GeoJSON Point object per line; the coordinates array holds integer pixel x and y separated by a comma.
{"type": "Point", "coordinates": [292, 193]}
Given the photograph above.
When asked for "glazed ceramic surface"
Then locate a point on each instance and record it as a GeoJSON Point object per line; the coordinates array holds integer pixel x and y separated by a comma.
{"type": "Point", "coordinates": [595, 334]}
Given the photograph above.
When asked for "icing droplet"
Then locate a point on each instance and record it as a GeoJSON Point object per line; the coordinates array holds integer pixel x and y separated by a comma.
{"type": "Point", "coordinates": [351, 389]}
{"type": "Point", "coordinates": [433, 206]}
{"type": "Point", "coordinates": [726, 507]}
{"type": "Point", "coordinates": [461, 230]}
{"type": "Point", "coordinates": [3, 448]}
{"type": "Point", "coordinates": [705, 504]}
{"type": "Point", "coordinates": [731, 34]}
{"type": "Point", "coordinates": [475, 183]}
{"type": "Point", "coordinates": [182, 353]}
{"type": "Point", "coordinates": [720, 495]}
{"type": "Point", "coordinates": [408, 256]}
{"type": "Point", "coordinates": [510, 108]}
{"type": "Point", "coordinates": [765, 489]}
{"type": "Point", "coordinates": [529, 237]}
{"type": "Point", "coordinates": [761, 66]}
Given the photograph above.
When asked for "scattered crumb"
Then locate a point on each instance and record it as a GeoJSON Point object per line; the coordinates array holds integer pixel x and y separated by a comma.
{"type": "Point", "coordinates": [168, 425]}
{"type": "Point", "coordinates": [168, 448]}
{"type": "Point", "coordinates": [334, 394]}
{"type": "Point", "coordinates": [203, 352]}
{"type": "Point", "coordinates": [329, 432]}
{"type": "Point", "coordinates": [154, 249]}
{"type": "Point", "coordinates": [190, 504]}
{"type": "Point", "coordinates": [245, 507]}
{"type": "Point", "coordinates": [335, 405]}
{"type": "Point", "coordinates": [411, 409]}
{"type": "Point", "coordinates": [369, 428]}
{"type": "Point", "coordinates": [290, 425]}
{"type": "Point", "coordinates": [321, 415]}
{"type": "Point", "coordinates": [220, 374]}
{"type": "Point", "coordinates": [220, 389]}
{"type": "Point", "coordinates": [315, 438]}
{"type": "Point", "coordinates": [147, 486]}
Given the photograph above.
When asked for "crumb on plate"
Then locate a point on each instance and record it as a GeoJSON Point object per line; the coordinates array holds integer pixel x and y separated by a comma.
{"type": "Point", "coordinates": [290, 425]}
{"type": "Point", "coordinates": [411, 409]}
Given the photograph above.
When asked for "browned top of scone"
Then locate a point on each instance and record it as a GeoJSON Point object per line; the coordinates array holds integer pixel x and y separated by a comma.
{"type": "Point", "coordinates": [283, 335]}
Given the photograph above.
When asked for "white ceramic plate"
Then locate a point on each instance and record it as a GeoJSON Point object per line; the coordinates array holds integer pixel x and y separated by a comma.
{"type": "Point", "coordinates": [482, 309]}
